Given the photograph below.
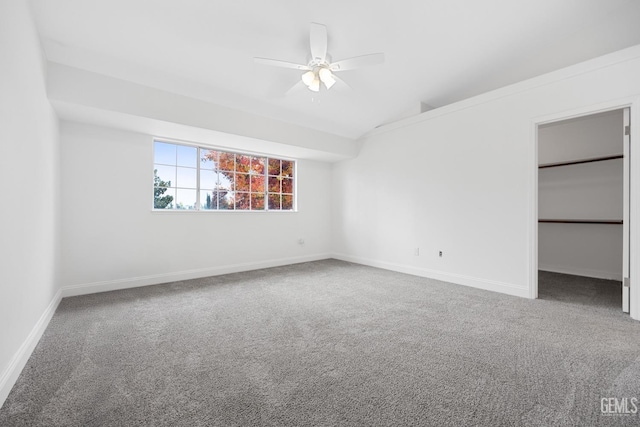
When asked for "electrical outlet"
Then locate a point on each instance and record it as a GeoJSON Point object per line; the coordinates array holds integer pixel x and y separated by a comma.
{"type": "Point", "coordinates": [440, 254]}
{"type": "Point", "coordinates": [416, 252]}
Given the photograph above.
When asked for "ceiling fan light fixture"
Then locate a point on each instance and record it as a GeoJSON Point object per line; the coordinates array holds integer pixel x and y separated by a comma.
{"type": "Point", "coordinates": [326, 76]}
{"type": "Point", "coordinates": [308, 78]}
{"type": "Point", "coordinates": [315, 85]}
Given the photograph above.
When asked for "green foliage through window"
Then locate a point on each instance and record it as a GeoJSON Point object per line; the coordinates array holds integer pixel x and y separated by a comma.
{"type": "Point", "coordinates": [161, 201]}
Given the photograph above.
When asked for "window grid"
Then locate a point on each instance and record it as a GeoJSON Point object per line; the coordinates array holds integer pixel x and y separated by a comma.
{"type": "Point", "coordinates": [243, 182]}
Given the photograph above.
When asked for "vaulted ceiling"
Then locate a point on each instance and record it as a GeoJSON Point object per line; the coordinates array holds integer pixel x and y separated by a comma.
{"type": "Point", "coordinates": [437, 51]}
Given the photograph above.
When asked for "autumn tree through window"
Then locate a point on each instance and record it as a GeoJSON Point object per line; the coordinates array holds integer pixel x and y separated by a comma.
{"type": "Point", "coordinates": [196, 178]}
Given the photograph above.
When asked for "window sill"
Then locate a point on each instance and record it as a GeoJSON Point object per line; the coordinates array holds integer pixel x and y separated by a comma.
{"type": "Point", "coordinates": [187, 211]}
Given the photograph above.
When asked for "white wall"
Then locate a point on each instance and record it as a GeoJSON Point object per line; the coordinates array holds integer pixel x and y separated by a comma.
{"type": "Point", "coordinates": [584, 191]}
{"type": "Point", "coordinates": [112, 239]}
{"type": "Point", "coordinates": [30, 195]}
{"type": "Point", "coordinates": [460, 178]}
{"type": "Point", "coordinates": [449, 184]}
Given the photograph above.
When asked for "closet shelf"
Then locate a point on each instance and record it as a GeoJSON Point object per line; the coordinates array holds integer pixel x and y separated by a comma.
{"type": "Point", "coordinates": [582, 221]}
{"type": "Point", "coordinates": [577, 162]}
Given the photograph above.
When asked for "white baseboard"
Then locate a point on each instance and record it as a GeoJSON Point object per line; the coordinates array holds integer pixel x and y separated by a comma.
{"type": "Point", "coordinates": [598, 274]}
{"type": "Point", "coordinates": [458, 279]}
{"type": "Point", "coordinates": [155, 279]}
{"type": "Point", "coordinates": [20, 358]}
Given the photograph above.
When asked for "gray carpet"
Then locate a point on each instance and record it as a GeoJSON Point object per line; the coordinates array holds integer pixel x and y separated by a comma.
{"type": "Point", "coordinates": [325, 343]}
{"type": "Point", "coordinates": [588, 292]}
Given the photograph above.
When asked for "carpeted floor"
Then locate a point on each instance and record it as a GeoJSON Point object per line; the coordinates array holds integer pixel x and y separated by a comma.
{"type": "Point", "coordinates": [326, 343]}
{"type": "Point", "coordinates": [588, 292]}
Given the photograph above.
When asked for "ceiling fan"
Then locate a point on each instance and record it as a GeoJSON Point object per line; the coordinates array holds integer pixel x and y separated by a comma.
{"type": "Point", "coordinates": [320, 69]}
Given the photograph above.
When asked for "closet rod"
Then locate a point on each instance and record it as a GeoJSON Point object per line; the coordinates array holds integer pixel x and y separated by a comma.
{"type": "Point", "coordinates": [582, 221]}
{"type": "Point", "coordinates": [577, 162]}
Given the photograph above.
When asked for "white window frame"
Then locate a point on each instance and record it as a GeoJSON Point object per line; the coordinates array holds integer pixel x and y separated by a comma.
{"type": "Point", "coordinates": [198, 205]}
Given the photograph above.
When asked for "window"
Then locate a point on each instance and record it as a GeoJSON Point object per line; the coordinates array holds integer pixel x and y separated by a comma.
{"type": "Point", "coordinates": [186, 177]}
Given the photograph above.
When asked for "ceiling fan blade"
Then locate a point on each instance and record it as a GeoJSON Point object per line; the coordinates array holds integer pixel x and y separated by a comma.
{"type": "Point", "coordinates": [342, 82]}
{"type": "Point", "coordinates": [281, 64]}
{"type": "Point", "coordinates": [296, 87]}
{"type": "Point", "coordinates": [318, 41]}
{"type": "Point", "coordinates": [357, 62]}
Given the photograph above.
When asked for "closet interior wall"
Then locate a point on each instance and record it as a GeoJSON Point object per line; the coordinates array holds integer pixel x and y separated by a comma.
{"type": "Point", "coordinates": [586, 191]}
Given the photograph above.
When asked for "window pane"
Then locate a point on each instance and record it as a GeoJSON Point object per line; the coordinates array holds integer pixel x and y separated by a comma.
{"type": "Point", "coordinates": [274, 184]}
{"type": "Point", "coordinates": [257, 165]}
{"type": "Point", "coordinates": [163, 198]}
{"type": "Point", "coordinates": [226, 200]}
{"type": "Point", "coordinates": [287, 168]}
{"type": "Point", "coordinates": [242, 182]}
{"type": "Point", "coordinates": [243, 163]}
{"type": "Point", "coordinates": [186, 178]}
{"type": "Point", "coordinates": [287, 185]}
{"type": "Point", "coordinates": [243, 201]}
{"type": "Point", "coordinates": [274, 167]}
{"type": "Point", "coordinates": [287, 202]}
{"type": "Point", "coordinates": [274, 202]}
{"type": "Point", "coordinates": [257, 183]}
{"type": "Point", "coordinates": [208, 159]}
{"type": "Point", "coordinates": [164, 176]}
{"type": "Point", "coordinates": [185, 199]}
{"type": "Point", "coordinates": [208, 200]}
{"type": "Point", "coordinates": [187, 156]}
{"type": "Point", "coordinates": [225, 179]}
{"type": "Point", "coordinates": [257, 201]}
{"type": "Point", "coordinates": [226, 161]}
{"type": "Point", "coordinates": [208, 179]}
{"type": "Point", "coordinates": [164, 153]}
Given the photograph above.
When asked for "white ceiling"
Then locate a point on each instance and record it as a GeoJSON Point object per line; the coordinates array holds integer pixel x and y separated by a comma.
{"type": "Point", "coordinates": [437, 51]}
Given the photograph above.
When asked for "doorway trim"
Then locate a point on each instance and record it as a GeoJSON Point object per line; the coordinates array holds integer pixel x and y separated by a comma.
{"type": "Point", "coordinates": [634, 199]}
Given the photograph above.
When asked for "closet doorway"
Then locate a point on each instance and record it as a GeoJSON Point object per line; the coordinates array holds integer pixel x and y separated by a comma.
{"type": "Point", "coordinates": [583, 210]}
